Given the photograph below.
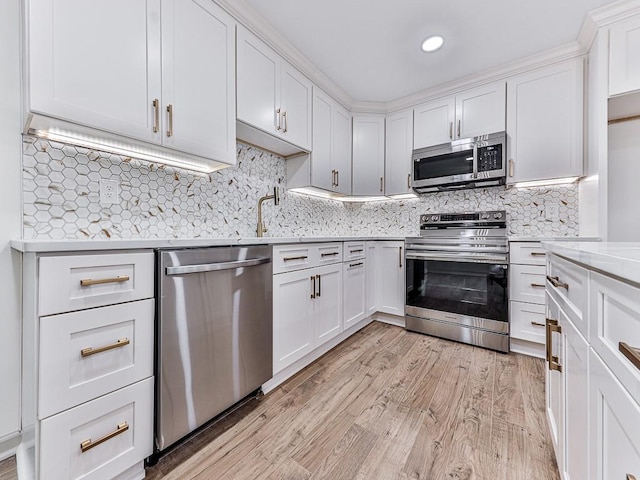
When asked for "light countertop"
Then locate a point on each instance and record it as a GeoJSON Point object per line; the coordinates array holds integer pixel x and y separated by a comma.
{"type": "Point", "coordinates": [619, 259]}
{"type": "Point", "coordinates": [519, 238]}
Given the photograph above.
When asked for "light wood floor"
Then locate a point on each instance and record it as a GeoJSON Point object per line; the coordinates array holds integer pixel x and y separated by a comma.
{"type": "Point", "coordinates": [385, 404]}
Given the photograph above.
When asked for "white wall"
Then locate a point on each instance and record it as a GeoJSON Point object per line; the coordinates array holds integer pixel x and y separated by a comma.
{"type": "Point", "coordinates": [10, 220]}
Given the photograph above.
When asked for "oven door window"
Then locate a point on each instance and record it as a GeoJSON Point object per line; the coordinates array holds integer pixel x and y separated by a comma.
{"type": "Point", "coordinates": [471, 289]}
{"type": "Point", "coordinates": [447, 165]}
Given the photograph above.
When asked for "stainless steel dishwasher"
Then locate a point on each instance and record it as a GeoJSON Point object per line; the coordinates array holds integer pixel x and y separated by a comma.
{"type": "Point", "coordinates": [214, 333]}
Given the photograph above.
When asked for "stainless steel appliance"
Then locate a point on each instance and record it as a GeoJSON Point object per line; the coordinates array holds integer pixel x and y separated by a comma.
{"type": "Point", "coordinates": [214, 333]}
{"type": "Point", "coordinates": [466, 163]}
{"type": "Point", "coordinates": [458, 279]}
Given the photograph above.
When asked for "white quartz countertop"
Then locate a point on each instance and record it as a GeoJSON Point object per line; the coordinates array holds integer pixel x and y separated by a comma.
{"type": "Point", "coordinates": [619, 259]}
{"type": "Point", "coordinates": [43, 246]}
{"type": "Point", "coordinates": [518, 238]}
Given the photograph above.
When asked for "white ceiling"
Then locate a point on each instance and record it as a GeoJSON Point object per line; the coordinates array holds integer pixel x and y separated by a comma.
{"type": "Point", "coordinates": [371, 48]}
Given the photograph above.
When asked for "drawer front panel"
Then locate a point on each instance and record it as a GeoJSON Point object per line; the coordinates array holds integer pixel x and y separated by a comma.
{"type": "Point", "coordinates": [527, 283]}
{"type": "Point", "coordinates": [85, 281]}
{"type": "Point", "coordinates": [527, 253]}
{"type": "Point", "coordinates": [87, 354]}
{"type": "Point", "coordinates": [570, 288]}
{"type": "Point", "coordinates": [615, 426]}
{"type": "Point", "coordinates": [328, 253]}
{"type": "Point", "coordinates": [288, 258]}
{"type": "Point", "coordinates": [528, 322]}
{"type": "Point", "coordinates": [353, 251]}
{"type": "Point", "coordinates": [615, 314]}
{"type": "Point", "coordinates": [123, 420]}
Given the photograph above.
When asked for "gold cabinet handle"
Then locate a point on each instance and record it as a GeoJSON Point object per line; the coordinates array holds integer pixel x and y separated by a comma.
{"type": "Point", "coordinates": [333, 178]}
{"type": "Point", "coordinates": [400, 256]}
{"type": "Point", "coordinates": [630, 477]}
{"type": "Point", "coordinates": [632, 354]}
{"type": "Point", "coordinates": [537, 285]}
{"type": "Point", "coordinates": [88, 282]}
{"type": "Point", "coordinates": [170, 112]}
{"type": "Point", "coordinates": [289, 259]}
{"type": "Point", "coordinates": [356, 251]}
{"type": "Point", "coordinates": [555, 281]}
{"type": "Point", "coordinates": [409, 182]}
{"type": "Point", "coordinates": [511, 167]}
{"type": "Point", "coordinates": [451, 130]}
{"type": "Point", "coordinates": [552, 326]}
{"type": "Point", "coordinates": [337, 178]}
{"type": "Point", "coordinates": [284, 117]}
{"type": "Point", "coordinates": [331, 254]}
{"type": "Point", "coordinates": [382, 184]}
{"type": "Point", "coordinates": [313, 288]}
{"type": "Point", "coordinates": [278, 127]}
{"type": "Point", "coordinates": [319, 285]}
{"type": "Point", "coordinates": [351, 265]}
{"type": "Point", "coordinates": [88, 444]}
{"type": "Point", "coordinates": [156, 115]}
{"type": "Point", "coordinates": [459, 127]}
{"type": "Point", "coordinates": [537, 324]}
{"type": "Point", "coordinates": [538, 254]}
{"type": "Point", "coordinates": [87, 352]}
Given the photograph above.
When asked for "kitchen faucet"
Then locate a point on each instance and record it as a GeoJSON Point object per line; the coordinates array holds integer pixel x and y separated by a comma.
{"type": "Point", "coordinates": [276, 200]}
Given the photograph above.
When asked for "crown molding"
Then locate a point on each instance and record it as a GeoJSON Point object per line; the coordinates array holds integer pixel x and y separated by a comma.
{"type": "Point", "coordinates": [588, 32]}
{"type": "Point", "coordinates": [256, 24]}
{"type": "Point", "coordinates": [614, 12]}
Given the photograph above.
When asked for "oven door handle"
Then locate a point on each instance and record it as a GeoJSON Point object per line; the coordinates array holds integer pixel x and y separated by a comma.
{"type": "Point", "coordinates": [459, 258]}
{"type": "Point", "coordinates": [215, 267]}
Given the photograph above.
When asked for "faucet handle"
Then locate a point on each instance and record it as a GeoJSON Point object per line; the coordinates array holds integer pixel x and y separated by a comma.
{"type": "Point", "coordinates": [264, 227]}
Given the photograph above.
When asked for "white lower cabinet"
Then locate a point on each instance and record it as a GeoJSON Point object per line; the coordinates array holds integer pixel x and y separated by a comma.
{"type": "Point", "coordinates": [554, 391]}
{"type": "Point", "coordinates": [371, 249]}
{"type": "Point", "coordinates": [327, 304]}
{"type": "Point", "coordinates": [355, 291]}
{"type": "Point", "coordinates": [99, 439]}
{"type": "Point", "coordinates": [390, 279]}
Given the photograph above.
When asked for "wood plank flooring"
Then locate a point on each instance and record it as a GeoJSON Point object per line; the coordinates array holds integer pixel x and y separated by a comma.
{"type": "Point", "coordinates": [384, 405]}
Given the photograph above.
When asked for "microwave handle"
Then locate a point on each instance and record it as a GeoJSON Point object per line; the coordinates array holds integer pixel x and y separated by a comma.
{"type": "Point", "coordinates": [475, 160]}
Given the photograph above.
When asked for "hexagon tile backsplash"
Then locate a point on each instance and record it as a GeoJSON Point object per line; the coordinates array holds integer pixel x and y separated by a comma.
{"type": "Point", "coordinates": [61, 186]}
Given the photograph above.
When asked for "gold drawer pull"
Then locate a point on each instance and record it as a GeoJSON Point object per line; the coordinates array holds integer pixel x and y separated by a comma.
{"type": "Point", "coordinates": [351, 265]}
{"type": "Point", "coordinates": [88, 444]}
{"type": "Point", "coordinates": [356, 251]}
{"type": "Point", "coordinates": [332, 254]}
{"type": "Point", "coordinates": [537, 285]}
{"type": "Point", "coordinates": [633, 354]}
{"type": "Point", "coordinates": [88, 282]}
{"type": "Point", "coordinates": [555, 281]}
{"type": "Point", "coordinates": [289, 259]}
{"type": "Point", "coordinates": [87, 352]}
{"type": "Point", "coordinates": [538, 254]}
{"type": "Point", "coordinates": [630, 477]}
{"type": "Point", "coordinates": [537, 324]}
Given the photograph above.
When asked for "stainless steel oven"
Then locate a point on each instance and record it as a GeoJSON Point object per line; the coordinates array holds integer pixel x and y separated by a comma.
{"type": "Point", "coordinates": [457, 279]}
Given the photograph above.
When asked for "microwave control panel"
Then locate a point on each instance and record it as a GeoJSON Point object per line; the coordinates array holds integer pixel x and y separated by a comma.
{"type": "Point", "coordinates": [490, 158]}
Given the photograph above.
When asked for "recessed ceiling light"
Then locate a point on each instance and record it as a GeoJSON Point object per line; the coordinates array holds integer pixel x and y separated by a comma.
{"type": "Point", "coordinates": [432, 43]}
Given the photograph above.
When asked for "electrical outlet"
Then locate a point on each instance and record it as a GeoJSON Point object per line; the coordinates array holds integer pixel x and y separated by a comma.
{"type": "Point", "coordinates": [552, 212]}
{"type": "Point", "coordinates": [109, 194]}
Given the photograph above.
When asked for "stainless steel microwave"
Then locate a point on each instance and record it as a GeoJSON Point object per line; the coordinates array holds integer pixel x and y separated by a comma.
{"type": "Point", "coordinates": [466, 163]}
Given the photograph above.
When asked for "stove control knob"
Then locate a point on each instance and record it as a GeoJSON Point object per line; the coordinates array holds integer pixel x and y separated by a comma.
{"type": "Point", "coordinates": [434, 218]}
{"type": "Point", "coordinates": [484, 216]}
{"type": "Point", "coordinates": [497, 216]}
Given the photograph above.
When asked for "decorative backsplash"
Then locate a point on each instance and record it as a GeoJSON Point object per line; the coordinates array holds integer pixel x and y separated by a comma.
{"type": "Point", "coordinates": [61, 200]}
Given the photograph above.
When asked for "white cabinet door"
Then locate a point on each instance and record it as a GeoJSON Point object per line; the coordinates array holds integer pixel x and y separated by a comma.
{"type": "Point", "coordinates": [481, 110]}
{"type": "Point", "coordinates": [398, 150]}
{"type": "Point", "coordinates": [615, 426]}
{"type": "Point", "coordinates": [327, 304]}
{"type": "Point", "coordinates": [355, 292]}
{"type": "Point", "coordinates": [295, 99]}
{"type": "Point", "coordinates": [390, 278]}
{"type": "Point", "coordinates": [624, 56]}
{"type": "Point", "coordinates": [198, 79]}
{"type": "Point", "coordinates": [371, 272]}
{"type": "Point", "coordinates": [433, 122]}
{"type": "Point", "coordinates": [554, 386]}
{"type": "Point", "coordinates": [292, 317]}
{"type": "Point", "coordinates": [576, 377]}
{"type": "Point", "coordinates": [368, 155]}
{"type": "Point", "coordinates": [258, 83]}
{"type": "Point", "coordinates": [545, 123]}
{"type": "Point", "coordinates": [105, 81]}
{"type": "Point", "coordinates": [322, 174]}
{"type": "Point", "coordinates": [341, 134]}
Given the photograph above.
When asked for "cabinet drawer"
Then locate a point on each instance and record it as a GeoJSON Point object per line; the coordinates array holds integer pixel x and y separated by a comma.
{"type": "Point", "coordinates": [353, 251]}
{"type": "Point", "coordinates": [527, 283]}
{"type": "Point", "coordinates": [78, 282]}
{"type": "Point", "coordinates": [329, 253]}
{"type": "Point", "coordinates": [121, 337]}
{"type": "Point", "coordinates": [123, 419]}
{"type": "Point", "coordinates": [287, 258]}
{"type": "Point", "coordinates": [615, 318]}
{"type": "Point", "coordinates": [528, 322]}
{"type": "Point", "coordinates": [527, 253]}
{"type": "Point", "coordinates": [615, 426]}
{"type": "Point", "coordinates": [570, 288]}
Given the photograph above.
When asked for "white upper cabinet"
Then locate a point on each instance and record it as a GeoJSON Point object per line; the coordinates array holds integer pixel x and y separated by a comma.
{"type": "Point", "coordinates": [322, 173]}
{"type": "Point", "coordinates": [148, 82]}
{"type": "Point", "coordinates": [368, 155]}
{"type": "Point", "coordinates": [197, 89]}
{"type": "Point", "coordinates": [398, 150]}
{"type": "Point", "coordinates": [341, 150]}
{"type": "Point", "coordinates": [273, 97]}
{"type": "Point", "coordinates": [471, 113]}
{"type": "Point", "coordinates": [624, 56]}
{"type": "Point", "coordinates": [545, 123]}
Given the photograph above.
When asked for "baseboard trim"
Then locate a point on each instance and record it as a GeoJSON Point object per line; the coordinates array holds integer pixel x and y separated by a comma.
{"type": "Point", "coordinates": [390, 319]}
{"type": "Point", "coordinates": [524, 347]}
{"type": "Point", "coordinates": [9, 445]}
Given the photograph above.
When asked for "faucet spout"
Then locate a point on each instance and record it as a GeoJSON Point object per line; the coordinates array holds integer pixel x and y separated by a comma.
{"type": "Point", "coordinates": [261, 229]}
